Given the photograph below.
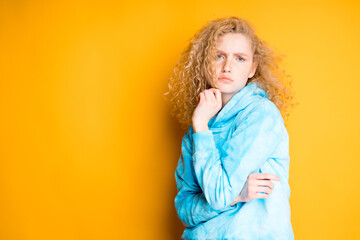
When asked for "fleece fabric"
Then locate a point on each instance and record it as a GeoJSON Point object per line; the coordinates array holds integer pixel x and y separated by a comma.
{"type": "Point", "coordinates": [247, 136]}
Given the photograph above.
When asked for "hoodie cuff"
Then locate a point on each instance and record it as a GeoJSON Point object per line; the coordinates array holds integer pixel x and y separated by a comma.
{"type": "Point", "coordinates": [203, 141]}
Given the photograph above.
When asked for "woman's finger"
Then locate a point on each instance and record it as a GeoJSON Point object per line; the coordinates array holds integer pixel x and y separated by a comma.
{"type": "Point", "coordinates": [263, 190]}
{"type": "Point", "coordinates": [217, 94]}
{"type": "Point", "coordinates": [267, 183]}
{"type": "Point", "coordinates": [202, 97]}
{"type": "Point", "coordinates": [210, 96]}
{"type": "Point", "coordinates": [269, 176]}
{"type": "Point", "coordinates": [261, 195]}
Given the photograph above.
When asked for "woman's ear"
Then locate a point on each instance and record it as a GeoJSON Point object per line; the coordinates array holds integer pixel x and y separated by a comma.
{"type": "Point", "coordinates": [253, 69]}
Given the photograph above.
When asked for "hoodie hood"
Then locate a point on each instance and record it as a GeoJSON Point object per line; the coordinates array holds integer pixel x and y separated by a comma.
{"type": "Point", "coordinates": [237, 102]}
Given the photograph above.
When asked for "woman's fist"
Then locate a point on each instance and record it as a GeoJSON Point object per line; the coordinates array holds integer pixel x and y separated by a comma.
{"type": "Point", "coordinates": [209, 104]}
{"type": "Point", "coordinates": [256, 183]}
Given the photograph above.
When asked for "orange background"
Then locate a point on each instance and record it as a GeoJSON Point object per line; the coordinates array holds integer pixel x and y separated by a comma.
{"type": "Point", "coordinates": [88, 149]}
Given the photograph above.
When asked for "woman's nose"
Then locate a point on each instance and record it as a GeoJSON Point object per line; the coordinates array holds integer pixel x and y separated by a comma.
{"type": "Point", "coordinates": [226, 67]}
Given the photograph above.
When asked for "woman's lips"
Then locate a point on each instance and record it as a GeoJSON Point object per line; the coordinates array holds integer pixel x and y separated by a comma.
{"type": "Point", "coordinates": [225, 79]}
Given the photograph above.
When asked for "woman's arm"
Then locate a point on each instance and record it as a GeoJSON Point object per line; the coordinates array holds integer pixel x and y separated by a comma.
{"type": "Point", "coordinates": [257, 135]}
{"type": "Point", "coordinates": [190, 202]}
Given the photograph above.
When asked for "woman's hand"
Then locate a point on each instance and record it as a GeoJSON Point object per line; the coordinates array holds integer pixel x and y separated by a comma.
{"type": "Point", "coordinates": [255, 183]}
{"type": "Point", "coordinates": [210, 103]}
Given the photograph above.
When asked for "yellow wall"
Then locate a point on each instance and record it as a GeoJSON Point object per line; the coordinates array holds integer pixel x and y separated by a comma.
{"type": "Point", "coordinates": [88, 149]}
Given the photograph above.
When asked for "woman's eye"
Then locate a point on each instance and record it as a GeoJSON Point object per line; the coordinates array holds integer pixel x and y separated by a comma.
{"type": "Point", "coordinates": [219, 56]}
{"type": "Point", "coordinates": [241, 59]}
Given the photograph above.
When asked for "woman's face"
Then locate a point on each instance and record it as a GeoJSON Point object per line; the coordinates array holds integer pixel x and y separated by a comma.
{"type": "Point", "coordinates": [234, 63]}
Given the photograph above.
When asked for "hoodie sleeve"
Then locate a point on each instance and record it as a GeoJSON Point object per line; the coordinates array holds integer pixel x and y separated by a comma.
{"type": "Point", "coordinates": [190, 202]}
{"type": "Point", "coordinates": [222, 173]}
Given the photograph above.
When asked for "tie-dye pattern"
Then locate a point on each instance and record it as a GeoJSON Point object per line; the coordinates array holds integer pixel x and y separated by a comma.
{"type": "Point", "coordinates": [247, 136]}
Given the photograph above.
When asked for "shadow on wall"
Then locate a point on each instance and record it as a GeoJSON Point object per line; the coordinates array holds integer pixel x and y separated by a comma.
{"type": "Point", "coordinates": [175, 134]}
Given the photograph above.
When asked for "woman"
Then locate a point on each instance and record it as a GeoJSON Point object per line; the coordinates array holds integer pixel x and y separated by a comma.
{"type": "Point", "coordinates": [232, 175]}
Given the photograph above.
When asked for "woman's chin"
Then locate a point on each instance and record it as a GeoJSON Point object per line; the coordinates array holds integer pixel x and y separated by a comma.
{"type": "Point", "coordinates": [225, 90]}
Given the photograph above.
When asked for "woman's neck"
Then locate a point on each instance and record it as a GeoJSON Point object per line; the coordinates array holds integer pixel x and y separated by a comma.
{"type": "Point", "coordinates": [225, 98]}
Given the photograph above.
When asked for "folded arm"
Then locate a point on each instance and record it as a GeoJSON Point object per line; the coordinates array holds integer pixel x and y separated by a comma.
{"type": "Point", "coordinates": [222, 173]}
{"type": "Point", "coordinates": [191, 205]}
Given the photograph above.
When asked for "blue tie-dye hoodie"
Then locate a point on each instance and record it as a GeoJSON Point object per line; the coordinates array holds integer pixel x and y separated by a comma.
{"type": "Point", "coordinates": [246, 136]}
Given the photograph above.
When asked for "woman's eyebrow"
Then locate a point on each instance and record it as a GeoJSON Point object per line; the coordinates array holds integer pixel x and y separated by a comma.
{"type": "Point", "coordinates": [238, 53]}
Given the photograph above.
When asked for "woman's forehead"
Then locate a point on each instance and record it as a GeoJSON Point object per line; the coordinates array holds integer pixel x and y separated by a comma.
{"type": "Point", "coordinates": [234, 42]}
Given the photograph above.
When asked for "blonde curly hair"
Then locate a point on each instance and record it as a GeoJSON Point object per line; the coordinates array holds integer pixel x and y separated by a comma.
{"type": "Point", "coordinates": [193, 72]}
